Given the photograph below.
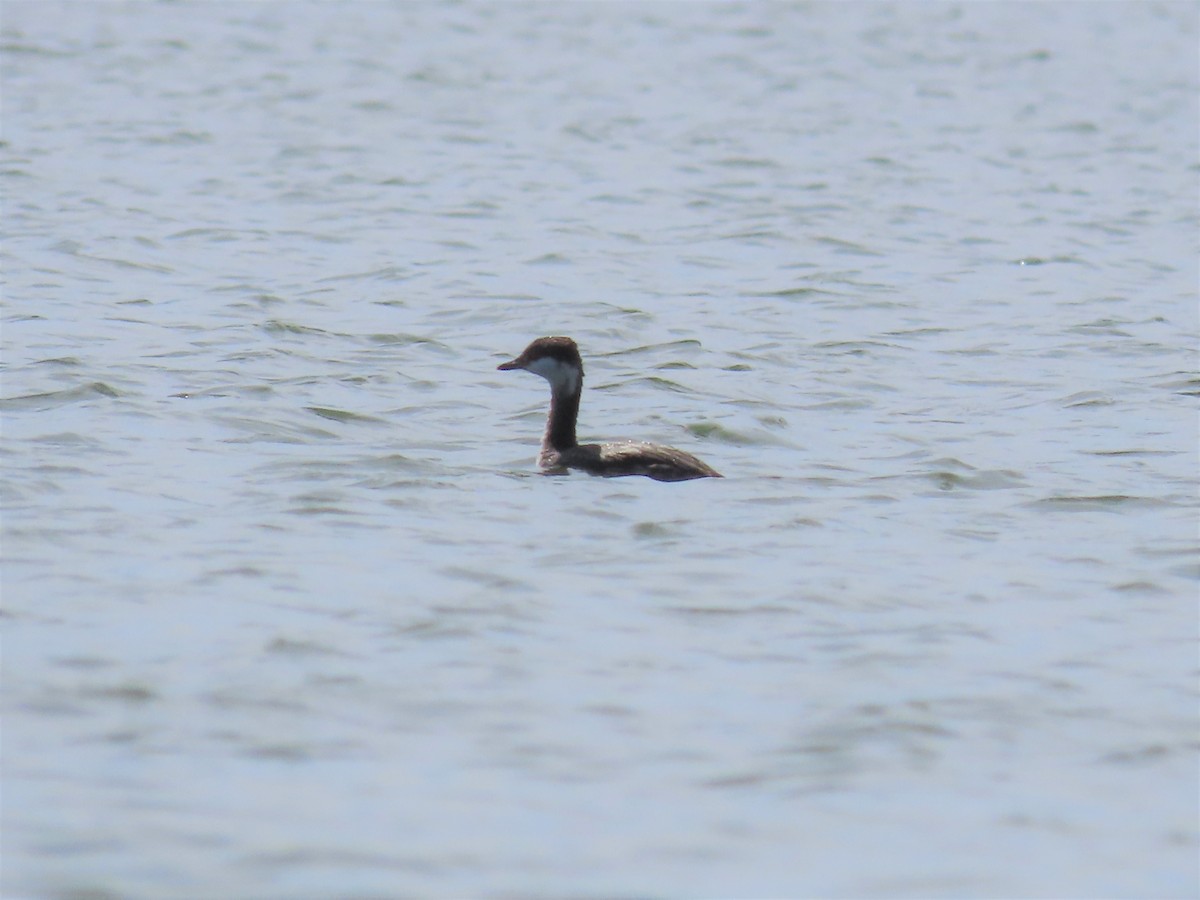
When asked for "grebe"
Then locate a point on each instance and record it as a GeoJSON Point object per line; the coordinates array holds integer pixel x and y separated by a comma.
{"type": "Point", "coordinates": [557, 360]}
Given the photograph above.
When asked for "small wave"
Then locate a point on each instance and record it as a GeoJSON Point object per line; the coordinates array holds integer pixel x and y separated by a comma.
{"type": "Point", "coordinates": [1070, 503]}
{"type": "Point", "coordinates": [52, 399]}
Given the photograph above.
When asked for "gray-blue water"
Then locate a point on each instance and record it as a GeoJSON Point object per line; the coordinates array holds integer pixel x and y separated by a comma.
{"type": "Point", "coordinates": [287, 611]}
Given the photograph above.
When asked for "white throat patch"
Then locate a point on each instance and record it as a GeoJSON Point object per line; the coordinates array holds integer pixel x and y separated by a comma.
{"type": "Point", "coordinates": [563, 378]}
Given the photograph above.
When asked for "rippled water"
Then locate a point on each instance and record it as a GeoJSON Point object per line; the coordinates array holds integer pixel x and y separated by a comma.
{"type": "Point", "coordinates": [287, 611]}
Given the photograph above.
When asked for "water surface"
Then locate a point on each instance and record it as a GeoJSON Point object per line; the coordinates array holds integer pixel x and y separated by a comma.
{"type": "Point", "coordinates": [289, 613]}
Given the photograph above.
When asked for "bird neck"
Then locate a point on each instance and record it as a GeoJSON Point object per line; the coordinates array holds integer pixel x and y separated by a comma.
{"type": "Point", "coordinates": [564, 410]}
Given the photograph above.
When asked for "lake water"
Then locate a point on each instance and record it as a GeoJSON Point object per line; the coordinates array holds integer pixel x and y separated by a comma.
{"type": "Point", "coordinates": [287, 610]}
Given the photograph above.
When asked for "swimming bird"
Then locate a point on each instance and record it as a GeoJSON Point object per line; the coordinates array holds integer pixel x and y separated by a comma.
{"type": "Point", "coordinates": [557, 360]}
